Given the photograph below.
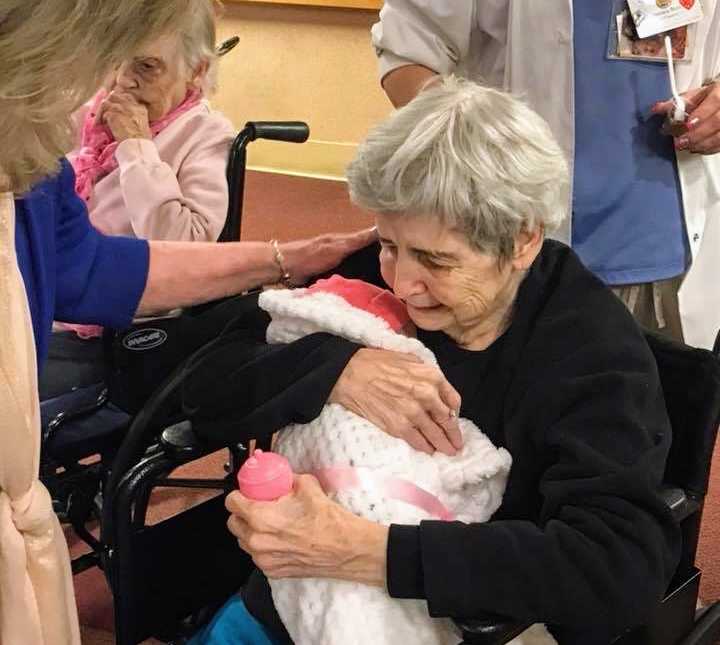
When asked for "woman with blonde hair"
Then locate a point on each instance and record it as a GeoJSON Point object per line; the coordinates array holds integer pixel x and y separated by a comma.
{"type": "Point", "coordinates": [54, 264]}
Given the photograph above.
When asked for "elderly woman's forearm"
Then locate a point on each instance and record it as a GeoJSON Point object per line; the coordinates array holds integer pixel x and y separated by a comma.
{"type": "Point", "coordinates": [187, 273]}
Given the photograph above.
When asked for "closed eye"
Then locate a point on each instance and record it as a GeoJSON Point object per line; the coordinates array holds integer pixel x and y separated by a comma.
{"type": "Point", "coordinates": [146, 65]}
{"type": "Point", "coordinates": [431, 261]}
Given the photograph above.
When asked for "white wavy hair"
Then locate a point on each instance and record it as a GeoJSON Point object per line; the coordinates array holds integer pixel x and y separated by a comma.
{"type": "Point", "coordinates": [54, 54]}
{"type": "Point", "coordinates": [197, 43]}
{"type": "Point", "coordinates": [478, 158]}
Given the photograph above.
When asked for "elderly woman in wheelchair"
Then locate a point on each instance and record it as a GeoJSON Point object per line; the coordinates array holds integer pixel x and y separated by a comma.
{"type": "Point", "coordinates": [466, 182]}
{"type": "Point", "coordinates": [151, 157]}
{"type": "Point", "coordinates": [150, 163]}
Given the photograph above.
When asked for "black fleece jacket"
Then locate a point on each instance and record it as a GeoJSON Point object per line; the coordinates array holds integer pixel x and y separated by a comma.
{"type": "Point", "coordinates": [582, 540]}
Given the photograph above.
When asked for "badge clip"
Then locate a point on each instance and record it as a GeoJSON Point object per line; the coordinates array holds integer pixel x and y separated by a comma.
{"type": "Point", "coordinates": [679, 114]}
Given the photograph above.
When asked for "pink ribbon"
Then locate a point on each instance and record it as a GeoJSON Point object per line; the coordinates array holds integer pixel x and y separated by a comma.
{"type": "Point", "coordinates": [339, 478]}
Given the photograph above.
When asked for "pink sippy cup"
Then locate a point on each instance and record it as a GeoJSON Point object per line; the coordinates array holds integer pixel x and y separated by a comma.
{"type": "Point", "coordinates": [266, 476]}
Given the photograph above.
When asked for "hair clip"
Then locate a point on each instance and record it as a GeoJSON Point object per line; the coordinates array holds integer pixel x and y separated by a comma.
{"type": "Point", "coordinates": [227, 46]}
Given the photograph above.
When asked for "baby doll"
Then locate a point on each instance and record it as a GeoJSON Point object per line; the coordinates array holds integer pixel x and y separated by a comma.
{"type": "Point", "coordinates": [371, 473]}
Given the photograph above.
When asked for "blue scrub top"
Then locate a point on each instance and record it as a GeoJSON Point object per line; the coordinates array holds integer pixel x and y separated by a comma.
{"type": "Point", "coordinates": [628, 224]}
{"type": "Point", "coordinates": [71, 271]}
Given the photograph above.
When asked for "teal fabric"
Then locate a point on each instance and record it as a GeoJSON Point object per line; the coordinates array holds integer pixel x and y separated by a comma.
{"type": "Point", "coordinates": [233, 625]}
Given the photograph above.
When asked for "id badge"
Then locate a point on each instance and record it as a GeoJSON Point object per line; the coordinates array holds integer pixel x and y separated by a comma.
{"type": "Point", "coordinates": [653, 17]}
{"type": "Point", "coordinates": [627, 42]}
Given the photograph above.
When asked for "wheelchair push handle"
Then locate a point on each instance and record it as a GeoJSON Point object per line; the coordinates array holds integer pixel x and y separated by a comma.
{"type": "Point", "coordinates": [292, 131]}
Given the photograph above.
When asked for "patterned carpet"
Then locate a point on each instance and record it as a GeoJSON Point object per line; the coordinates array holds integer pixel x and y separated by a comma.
{"type": "Point", "coordinates": [288, 208]}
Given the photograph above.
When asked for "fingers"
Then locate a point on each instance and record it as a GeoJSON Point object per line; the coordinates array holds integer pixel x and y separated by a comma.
{"type": "Point", "coordinates": [240, 530]}
{"type": "Point", "coordinates": [435, 435]}
{"type": "Point", "coordinates": [704, 125]}
{"type": "Point", "coordinates": [700, 132]}
{"type": "Point", "coordinates": [403, 396]}
{"type": "Point", "coordinates": [308, 485]}
{"type": "Point", "coordinates": [114, 102]}
{"type": "Point", "coordinates": [663, 107]}
{"type": "Point", "coordinates": [237, 504]}
{"type": "Point", "coordinates": [710, 145]}
{"type": "Point", "coordinates": [363, 238]}
{"type": "Point", "coordinates": [435, 419]}
{"type": "Point", "coordinates": [702, 102]}
{"type": "Point", "coordinates": [442, 401]}
{"type": "Point", "coordinates": [452, 430]}
{"type": "Point", "coordinates": [416, 439]}
{"type": "Point", "coordinates": [451, 398]}
{"type": "Point", "coordinates": [120, 97]}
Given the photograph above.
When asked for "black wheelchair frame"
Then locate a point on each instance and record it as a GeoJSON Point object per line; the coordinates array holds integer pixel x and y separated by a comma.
{"type": "Point", "coordinates": [70, 422]}
{"type": "Point", "coordinates": [691, 384]}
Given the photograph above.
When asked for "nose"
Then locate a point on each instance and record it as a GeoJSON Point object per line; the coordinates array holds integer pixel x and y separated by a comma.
{"type": "Point", "coordinates": [406, 280]}
{"type": "Point", "coordinates": [125, 78]}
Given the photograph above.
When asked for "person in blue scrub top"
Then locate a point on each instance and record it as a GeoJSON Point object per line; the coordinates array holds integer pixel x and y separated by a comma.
{"type": "Point", "coordinates": [642, 202]}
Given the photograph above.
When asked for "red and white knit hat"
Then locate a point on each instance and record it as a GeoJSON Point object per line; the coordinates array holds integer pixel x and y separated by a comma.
{"type": "Point", "coordinates": [353, 309]}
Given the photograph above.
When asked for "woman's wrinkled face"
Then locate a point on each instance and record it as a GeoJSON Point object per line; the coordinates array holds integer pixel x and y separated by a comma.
{"type": "Point", "coordinates": [447, 285]}
{"type": "Point", "coordinates": [156, 77]}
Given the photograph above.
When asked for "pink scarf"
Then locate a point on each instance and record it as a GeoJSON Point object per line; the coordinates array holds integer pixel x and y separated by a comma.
{"type": "Point", "coordinates": [96, 157]}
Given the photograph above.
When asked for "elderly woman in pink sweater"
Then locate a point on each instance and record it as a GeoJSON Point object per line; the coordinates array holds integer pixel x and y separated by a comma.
{"type": "Point", "coordinates": [150, 164]}
{"type": "Point", "coordinates": [152, 154]}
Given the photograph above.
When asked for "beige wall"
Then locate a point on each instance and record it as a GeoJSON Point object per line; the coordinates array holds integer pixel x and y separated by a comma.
{"type": "Point", "coordinates": [302, 63]}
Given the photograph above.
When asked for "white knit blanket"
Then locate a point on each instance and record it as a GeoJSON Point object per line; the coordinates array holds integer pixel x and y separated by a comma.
{"type": "Point", "coordinates": [470, 485]}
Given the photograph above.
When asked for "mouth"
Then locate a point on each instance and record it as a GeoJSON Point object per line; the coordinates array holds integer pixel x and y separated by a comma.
{"type": "Point", "coordinates": [424, 308]}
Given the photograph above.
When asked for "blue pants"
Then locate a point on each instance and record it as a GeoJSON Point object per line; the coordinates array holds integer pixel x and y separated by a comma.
{"type": "Point", "coordinates": [233, 625]}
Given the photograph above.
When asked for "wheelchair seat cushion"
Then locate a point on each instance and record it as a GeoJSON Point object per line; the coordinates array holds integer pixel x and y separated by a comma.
{"type": "Point", "coordinates": [85, 434]}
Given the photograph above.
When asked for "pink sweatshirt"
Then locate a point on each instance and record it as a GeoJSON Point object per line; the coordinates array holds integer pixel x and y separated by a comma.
{"type": "Point", "coordinates": [170, 188]}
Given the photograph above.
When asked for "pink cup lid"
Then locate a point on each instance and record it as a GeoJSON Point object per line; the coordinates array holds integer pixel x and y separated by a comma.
{"type": "Point", "coordinates": [265, 476]}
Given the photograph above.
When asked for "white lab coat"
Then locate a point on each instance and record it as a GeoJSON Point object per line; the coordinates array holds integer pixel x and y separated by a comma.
{"type": "Point", "coordinates": [526, 47]}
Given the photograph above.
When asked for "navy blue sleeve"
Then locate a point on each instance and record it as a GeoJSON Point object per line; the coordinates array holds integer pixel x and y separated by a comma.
{"type": "Point", "coordinates": [100, 279]}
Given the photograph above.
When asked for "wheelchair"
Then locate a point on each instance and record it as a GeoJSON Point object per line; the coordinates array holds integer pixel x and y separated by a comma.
{"type": "Point", "coordinates": [167, 579]}
{"type": "Point", "coordinates": [83, 430]}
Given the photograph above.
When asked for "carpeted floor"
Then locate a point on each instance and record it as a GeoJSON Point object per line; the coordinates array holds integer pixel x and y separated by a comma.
{"type": "Point", "coordinates": [288, 208]}
{"type": "Point", "coordinates": [709, 550]}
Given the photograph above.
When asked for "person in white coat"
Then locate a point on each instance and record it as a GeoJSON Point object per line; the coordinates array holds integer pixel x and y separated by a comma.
{"type": "Point", "coordinates": [645, 206]}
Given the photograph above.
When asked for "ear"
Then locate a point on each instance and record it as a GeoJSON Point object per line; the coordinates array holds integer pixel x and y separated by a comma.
{"type": "Point", "coordinates": [199, 73]}
{"type": "Point", "coordinates": [527, 246]}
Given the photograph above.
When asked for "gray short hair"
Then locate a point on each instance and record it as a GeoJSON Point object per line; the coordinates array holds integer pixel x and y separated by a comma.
{"type": "Point", "coordinates": [476, 157]}
{"type": "Point", "coordinates": [54, 54]}
{"type": "Point", "coordinates": [197, 44]}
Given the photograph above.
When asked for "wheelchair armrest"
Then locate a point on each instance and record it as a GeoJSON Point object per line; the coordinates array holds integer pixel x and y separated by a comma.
{"type": "Point", "coordinates": [78, 407]}
{"type": "Point", "coordinates": [681, 506]}
{"type": "Point", "coordinates": [490, 630]}
{"type": "Point", "coordinates": [180, 441]}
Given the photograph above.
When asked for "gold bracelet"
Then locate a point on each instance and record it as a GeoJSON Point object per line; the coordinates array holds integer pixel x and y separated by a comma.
{"type": "Point", "coordinates": [280, 261]}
